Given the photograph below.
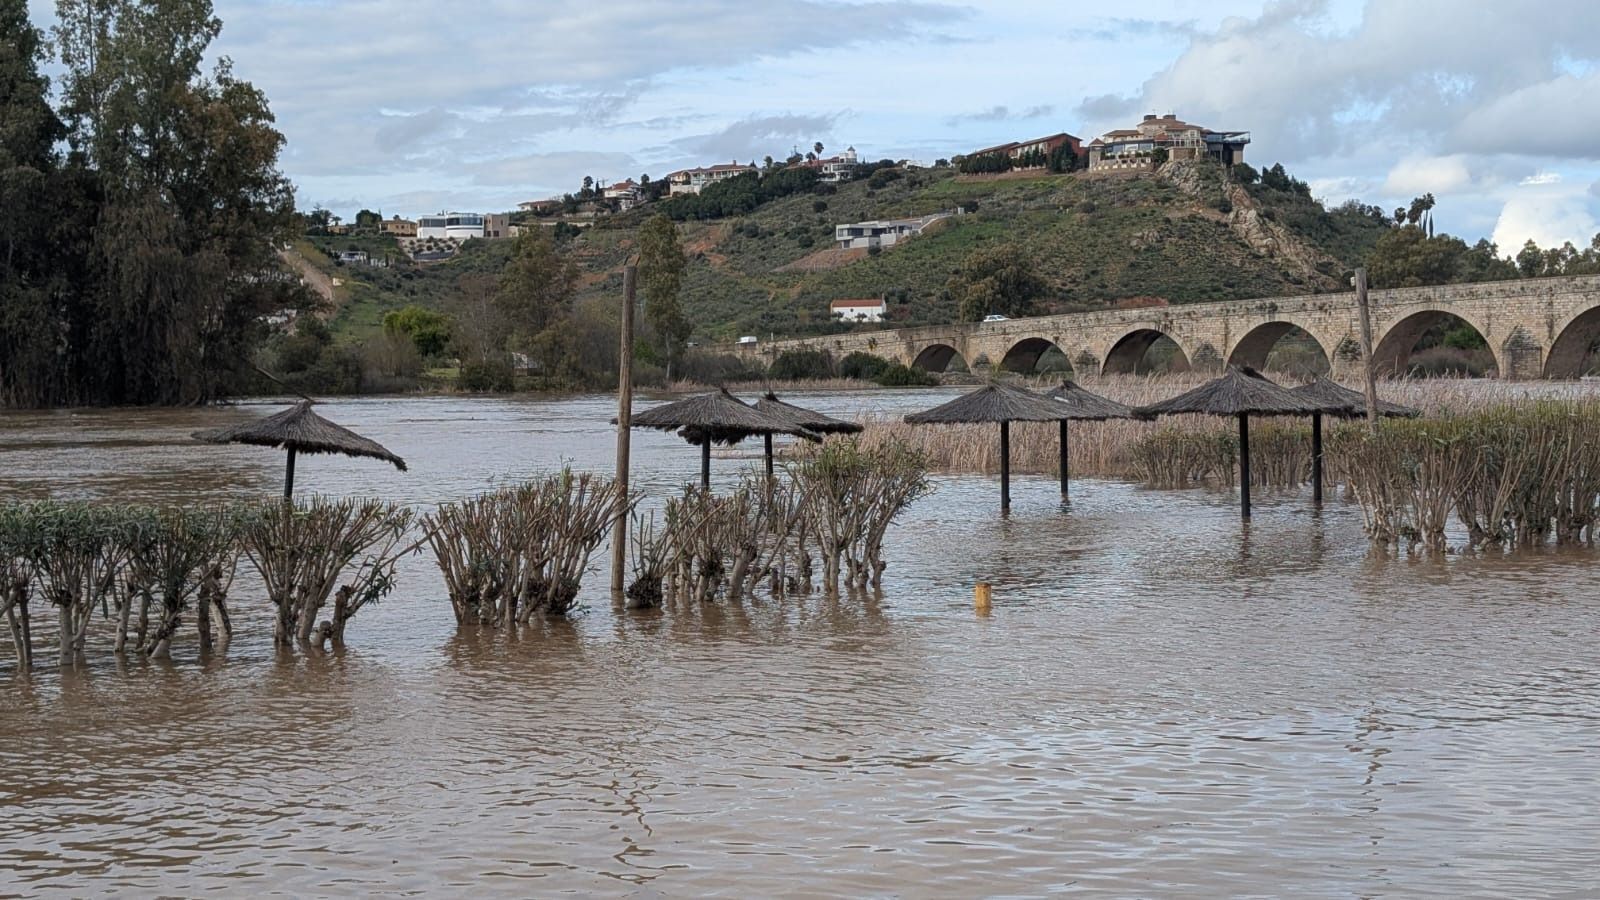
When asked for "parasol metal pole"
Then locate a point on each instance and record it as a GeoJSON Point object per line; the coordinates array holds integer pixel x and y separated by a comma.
{"type": "Point", "coordinates": [1064, 458]}
{"type": "Point", "coordinates": [288, 477]}
{"type": "Point", "coordinates": [1005, 466]}
{"type": "Point", "coordinates": [1244, 465]}
{"type": "Point", "coordinates": [619, 530]}
{"type": "Point", "coordinates": [1316, 458]}
{"type": "Point", "coordinates": [1369, 375]}
{"type": "Point", "coordinates": [705, 464]}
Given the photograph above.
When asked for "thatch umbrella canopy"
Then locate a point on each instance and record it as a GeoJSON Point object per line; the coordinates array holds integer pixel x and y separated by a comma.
{"type": "Point", "coordinates": [1337, 400]}
{"type": "Point", "coordinates": [718, 417]}
{"type": "Point", "coordinates": [1083, 406]}
{"type": "Point", "coordinates": [299, 429]}
{"type": "Point", "coordinates": [1241, 393]}
{"type": "Point", "coordinates": [990, 404]}
{"type": "Point", "coordinates": [809, 419]}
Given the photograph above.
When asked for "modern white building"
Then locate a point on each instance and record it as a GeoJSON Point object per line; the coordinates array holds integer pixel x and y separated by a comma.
{"type": "Point", "coordinates": [865, 310]}
{"type": "Point", "coordinates": [454, 226]}
{"type": "Point", "coordinates": [693, 181]}
{"type": "Point", "coordinates": [882, 232]}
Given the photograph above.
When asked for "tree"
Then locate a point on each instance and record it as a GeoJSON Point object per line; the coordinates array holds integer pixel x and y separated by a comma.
{"type": "Point", "coordinates": [30, 185]}
{"type": "Point", "coordinates": [535, 296]}
{"type": "Point", "coordinates": [661, 265]}
{"type": "Point", "coordinates": [1407, 257]}
{"type": "Point", "coordinates": [817, 148]}
{"type": "Point", "coordinates": [428, 330]}
{"type": "Point", "coordinates": [179, 201]}
{"type": "Point", "coordinates": [1001, 279]}
{"type": "Point", "coordinates": [369, 219]}
{"type": "Point", "coordinates": [1530, 260]}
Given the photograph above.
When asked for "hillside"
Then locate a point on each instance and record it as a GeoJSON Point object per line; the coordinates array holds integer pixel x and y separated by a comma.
{"type": "Point", "coordinates": [1181, 236]}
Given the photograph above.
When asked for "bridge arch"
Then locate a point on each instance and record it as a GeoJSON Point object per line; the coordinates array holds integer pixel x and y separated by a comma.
{"type": "Point", "coordinates": [1128, 354]}
{"type": "Point", "coordinates": [1391, 353]}
{"type": "Point", "coordinates": [937, 358]}
{"type": "Point", "coordinates": [1577, 344]}
{"type": "Point", "coordinates": [1256, 347]}
{"type": "Point", "coordinates": [1036, 354]}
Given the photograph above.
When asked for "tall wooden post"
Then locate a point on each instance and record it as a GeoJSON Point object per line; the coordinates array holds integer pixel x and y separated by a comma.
{"type": "Point", "coordinates": [619, 531]}
{"type": "Point", "coordinates": [1064, 458]}
{"type": "Point", "coordinates": [1369, 376]}
{"type": "Point", "coordinates": [705, 464]}
{"type": "Point", "coordinates": [1005, 466]}
{"type": "Point", "coordinates": [288, 477]}
{"type": "Point", "coordinates": [766, 441]}
{"type": "Point", "coordinates": [1316, 458]}
{"type": "Point", "coordinates": [1244, 465]}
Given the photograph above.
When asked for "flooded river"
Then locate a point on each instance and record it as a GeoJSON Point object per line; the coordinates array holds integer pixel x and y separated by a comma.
{"type": "Point", "coordinates": [1162, 703]}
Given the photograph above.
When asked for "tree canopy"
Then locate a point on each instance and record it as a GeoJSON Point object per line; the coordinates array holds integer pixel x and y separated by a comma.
{"type": "Point", "coordinates": [139, 266]}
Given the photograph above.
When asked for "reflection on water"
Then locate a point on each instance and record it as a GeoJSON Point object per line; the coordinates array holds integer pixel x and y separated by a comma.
{"type": "Point", "coordinates": [1161, 702]}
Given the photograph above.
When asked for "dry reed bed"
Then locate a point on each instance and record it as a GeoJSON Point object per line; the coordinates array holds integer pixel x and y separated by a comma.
{"type": "Point", "coordinates": [1183, 450]}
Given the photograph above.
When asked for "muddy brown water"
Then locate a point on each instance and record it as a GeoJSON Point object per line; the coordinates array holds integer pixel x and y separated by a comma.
{"type": "Point", "coordinates": [1161, 703]}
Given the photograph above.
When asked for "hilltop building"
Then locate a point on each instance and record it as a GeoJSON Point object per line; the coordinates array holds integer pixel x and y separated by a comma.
{"type": "Point", "coordinates": [1133, 149]}
{"type": "Point", "coordinates": [454, 226]}
{"type": "Point", "coordinates": [693, 181]}
{"type": "Point", "coordinates": [400, 228]}
{"type": "Point", "coordinates": [1037, 149]}
{"type": "Point", "coordinates": [625, 193]}
{"type": "Point", "coordinates": [833, 168]}
{"type": "Point", "coordinates": [864, 310]}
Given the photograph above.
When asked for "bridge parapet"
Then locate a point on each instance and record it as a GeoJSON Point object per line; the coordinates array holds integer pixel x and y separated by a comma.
{"type": "Point", "coordinates": [1540, 327]}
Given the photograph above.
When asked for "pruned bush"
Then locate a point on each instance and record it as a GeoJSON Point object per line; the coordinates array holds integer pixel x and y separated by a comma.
{"type": "Point", "coordinates": [1511, 475]}
{"type": "Point", "coordinates": [304, 550]}
{"type": "Point", "coordinates": [514, 552]}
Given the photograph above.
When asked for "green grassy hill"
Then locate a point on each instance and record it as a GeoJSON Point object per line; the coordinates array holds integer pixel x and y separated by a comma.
{"type": "Point", "coordinates": [1182, 236]}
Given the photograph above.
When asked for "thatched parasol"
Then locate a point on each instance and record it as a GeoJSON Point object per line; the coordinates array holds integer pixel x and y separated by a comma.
{"type": "Point", "coordinates": [1337, 400]}
{"type": "Point", "coordinates": [1083, 406]}
{"type": "Point", "coordinates": [810, 420]}
{"type": "Point", "coordinates": [994, 403]}
{"type": "Point", "coordinates": [1240, 392]}
{"type": "Point", "coordinates": [300, 430]}
{"type": "Point", "coordinates": [718, 417]}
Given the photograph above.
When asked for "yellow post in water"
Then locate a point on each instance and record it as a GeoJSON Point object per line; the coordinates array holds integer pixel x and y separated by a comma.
{"type": "Point", "coordinates": [980, 597]}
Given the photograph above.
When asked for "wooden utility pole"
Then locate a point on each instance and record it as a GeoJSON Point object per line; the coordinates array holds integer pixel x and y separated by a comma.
{"type": "Point", "coordinates": [619, 531]}
{"type": "Point", "coordinates": [1369, 376]}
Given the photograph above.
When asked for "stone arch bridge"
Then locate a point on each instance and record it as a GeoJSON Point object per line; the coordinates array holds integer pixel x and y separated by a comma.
{"type": "Point", "coordinates": [1536, 328]}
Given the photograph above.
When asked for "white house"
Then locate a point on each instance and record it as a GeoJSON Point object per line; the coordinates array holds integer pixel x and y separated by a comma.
{"type": "Point", "coordinates": [625, 193]}
{"type": "Point", "coordinates": [865, 310]}
{"type": "Point", "coordinates": [693, 181]}
{"type": "Point", "coordinates": [882, 232]}
{"type": "Point", "coordinates": [453, 226]}
{"type": "Point", "coordinates": [838, 168]}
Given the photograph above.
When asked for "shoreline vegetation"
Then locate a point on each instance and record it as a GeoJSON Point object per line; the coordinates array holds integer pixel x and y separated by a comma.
{"type": "Point", "coordinates": [132, 580]}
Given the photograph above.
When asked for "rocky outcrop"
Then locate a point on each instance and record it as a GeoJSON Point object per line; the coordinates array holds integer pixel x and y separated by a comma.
{"type": "Point", "coordinates": [1204, 182]}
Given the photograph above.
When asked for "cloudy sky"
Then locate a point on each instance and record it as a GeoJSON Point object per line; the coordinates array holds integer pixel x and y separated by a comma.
{"type": "Point", "coordinates": [416, 105]}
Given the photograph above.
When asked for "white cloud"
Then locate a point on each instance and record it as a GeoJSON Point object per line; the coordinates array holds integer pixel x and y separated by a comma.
{"type": "Point", "coordinates": [1549, 215]}
{"type": "Point", "coordinates": [1419, 175]}
{"type": "Point", "coordinates": [1542, 178]}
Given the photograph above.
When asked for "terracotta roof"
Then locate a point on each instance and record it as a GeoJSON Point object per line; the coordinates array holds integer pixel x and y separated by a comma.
{"type": "Point", "coordinates": [843, 304]}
